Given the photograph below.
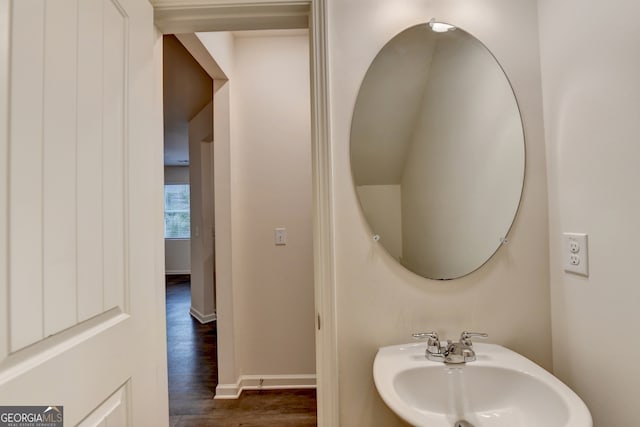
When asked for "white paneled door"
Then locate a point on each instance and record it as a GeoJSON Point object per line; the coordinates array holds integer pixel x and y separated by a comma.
{"type": "Point", "coordinates": [81, 248]}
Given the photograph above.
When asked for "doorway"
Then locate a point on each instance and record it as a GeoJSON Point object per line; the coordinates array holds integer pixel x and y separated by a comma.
{"type": "Point", "coordinates": [272, 309]}
{"type": "Point", "coordinates": [193, 16]}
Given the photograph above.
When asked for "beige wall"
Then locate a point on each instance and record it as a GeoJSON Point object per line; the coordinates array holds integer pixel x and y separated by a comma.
{"type": "Point", "coordinates": [227, 367]}
{"type": "Point", "coordinates": [382, 205]}
{"type": "Point", "coordinates": [202, 215]}
{"type": "Point", "coordinates": [381, 303]}
{"type": "Point", "coordinates": [177, 252]}
{"type": "Point", "coordinates": [592, 109]}
{"type": "Point", "coordinates": [271, 187]}
{"type": "Point", "coordinates": [176, 174]}
{"type": "Point", "coordinates": [262, 181]}
{"type": "Point", "coordinates": [177, 256]}
{"type": "Point", "coordinates": [220, 45]}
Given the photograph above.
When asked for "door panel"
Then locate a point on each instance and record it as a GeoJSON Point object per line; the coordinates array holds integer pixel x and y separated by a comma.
{"type": "Point", "coordinates": [59, 166]}
{"type": "Point", "coordinates": [85, 326]}
{"type": "Point", "coordinates": [44, 167]}
{"type": "Point", "coordinates": [26, 175]}
{"type": "Point", "coordinates": [111, 413]}
{"type": "Point", "coordinates": [90, 267]}
{"type": "Point", "coordinates": [113, 156]}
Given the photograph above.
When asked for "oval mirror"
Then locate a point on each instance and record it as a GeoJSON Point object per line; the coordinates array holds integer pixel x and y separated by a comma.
{"type": "Point", "coordinates": [437, 151]}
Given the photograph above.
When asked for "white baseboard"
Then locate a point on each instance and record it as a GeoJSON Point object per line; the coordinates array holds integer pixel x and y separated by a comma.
{"type": "Point", "coordinates": [264, 382]}
{"type": "Point", "coordinates": [202, 318]}
{"type": "Point", "coordinates": [176, 272]}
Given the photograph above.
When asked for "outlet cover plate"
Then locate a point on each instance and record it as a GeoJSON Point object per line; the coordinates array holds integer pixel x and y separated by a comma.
{"type": "Point", "coordinates": [575, 253]}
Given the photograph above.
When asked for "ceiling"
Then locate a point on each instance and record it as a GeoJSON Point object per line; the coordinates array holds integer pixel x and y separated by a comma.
{"type": "Point", "coordinates": [187, 89]}
{"type": "Point", "coordinates": [387, 107]}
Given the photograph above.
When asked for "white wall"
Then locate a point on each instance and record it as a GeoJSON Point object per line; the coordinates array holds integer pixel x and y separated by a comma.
{"type": "Point", "coordinates": [177, 252]}
{"type": "Point", "coordinates": [591, 90]}
{"type": "Point", "coordinates": [381, 303]}
{"type": "Point", "coordinates": [271, 187]}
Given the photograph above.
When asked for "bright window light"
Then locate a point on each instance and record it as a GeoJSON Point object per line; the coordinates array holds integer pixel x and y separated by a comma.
{"type": "Point", "coordinates": [177, 212]}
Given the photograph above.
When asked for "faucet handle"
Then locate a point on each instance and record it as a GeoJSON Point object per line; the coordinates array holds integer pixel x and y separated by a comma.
{"type": "Point", "coordinates": [465, 337]}
{"type": "Point", "coordinates": [423, 335]}
{"type": "Point", "coordinates": [433, 344]}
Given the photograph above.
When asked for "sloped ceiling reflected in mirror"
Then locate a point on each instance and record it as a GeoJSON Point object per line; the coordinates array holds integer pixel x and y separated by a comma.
{"type": "Point", "coordinates": [437, 151]}
{"type": "Point", "coordinates": [388, 105]}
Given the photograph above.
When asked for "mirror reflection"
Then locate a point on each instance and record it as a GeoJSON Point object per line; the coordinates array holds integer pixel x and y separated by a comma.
{"type": "Point", "coordinates": [437, 151]}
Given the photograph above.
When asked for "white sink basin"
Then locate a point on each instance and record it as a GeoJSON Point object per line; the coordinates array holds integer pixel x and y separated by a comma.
{"type": "Point", "coordinates": [499, 389]}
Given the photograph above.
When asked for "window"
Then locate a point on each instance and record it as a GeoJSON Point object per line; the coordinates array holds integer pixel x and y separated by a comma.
{"type": "Point", "coordinates": [177, 218]}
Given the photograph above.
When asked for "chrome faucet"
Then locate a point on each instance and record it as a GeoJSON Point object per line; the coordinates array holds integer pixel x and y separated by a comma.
{"type": "Point", "coordinates": [447, 351]}
{"type": "Point", "coordinates": [434, 346]}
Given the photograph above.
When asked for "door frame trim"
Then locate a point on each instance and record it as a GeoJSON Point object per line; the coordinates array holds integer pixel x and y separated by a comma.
{"type": "Point", "coordinates": [5, 53]}
{"type": "Point", "coordinates": [189, 16]}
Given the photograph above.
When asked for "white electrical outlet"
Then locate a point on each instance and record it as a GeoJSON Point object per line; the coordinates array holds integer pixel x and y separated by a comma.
{"type": "Point", "coordinates": [575, 253]}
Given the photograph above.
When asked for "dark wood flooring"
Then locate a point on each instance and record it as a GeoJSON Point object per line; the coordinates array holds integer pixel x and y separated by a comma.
{"type": "Point", "coordinates": [193, 376]}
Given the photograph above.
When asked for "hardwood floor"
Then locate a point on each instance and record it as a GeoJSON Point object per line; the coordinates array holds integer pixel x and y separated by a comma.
{"type": "Point", "coordinates": [193, 376]}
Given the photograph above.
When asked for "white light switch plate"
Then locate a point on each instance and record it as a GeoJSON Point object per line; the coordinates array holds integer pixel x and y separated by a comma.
{"type": "Point", "coordinates": [280, 236]}
{"type": "Point", "coordinates": [575, 253]}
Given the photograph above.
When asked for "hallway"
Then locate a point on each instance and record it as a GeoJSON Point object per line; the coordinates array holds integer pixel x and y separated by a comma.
{"type": "Point", "coordinates": [191, 357]}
